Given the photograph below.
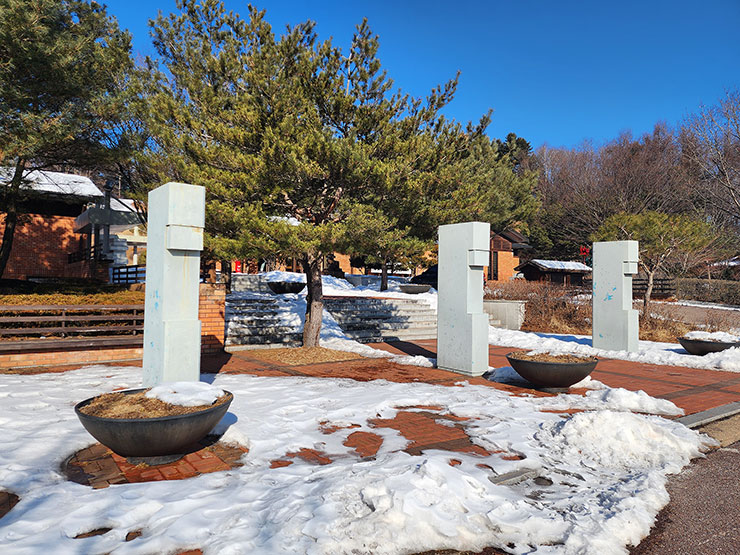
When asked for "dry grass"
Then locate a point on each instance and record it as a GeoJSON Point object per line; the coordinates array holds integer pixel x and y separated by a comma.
{"type": "Point", "coordinates": [14, 292]}
{"type": "Point", "coordinates": [545, 357]}
{"type": "Point", "coordinates": [117, 297]}
{"type": "Point", "coordinates": [557, 309]}
{"type": "Point", "coordinates": [137, 405]}
{"type": "Point", "coordinates": [301, 355]}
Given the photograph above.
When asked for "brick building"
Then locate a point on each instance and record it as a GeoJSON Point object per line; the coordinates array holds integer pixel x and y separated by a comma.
{"type": "Point", "coordinates": [506, 248]}
{"type": "Point", "coordinates": [45, 234]}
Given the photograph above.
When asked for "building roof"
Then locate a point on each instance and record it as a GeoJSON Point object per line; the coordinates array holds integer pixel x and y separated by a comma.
{"type": "Point", "coordinates": [514, 236]}
{"type": "Point", "coordinates": [557, 266]}
{"type": "Point", "coordinates": [55, 183]}
{"type": "Point", "coordinates": [734, 261]}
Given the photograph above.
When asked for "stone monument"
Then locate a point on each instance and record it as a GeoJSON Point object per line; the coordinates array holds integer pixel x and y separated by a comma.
{"type": "Point", "coordinates": [171, 325]}
{"type": "Point", "coordinates": [616, 325]}
{"type": "Point", "coordinates": [462, 326]}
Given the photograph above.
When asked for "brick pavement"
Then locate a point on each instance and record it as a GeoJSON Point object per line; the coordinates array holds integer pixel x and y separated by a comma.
{"type": "Point", "coordinates": [98, 467]}
{"type": "Point", "coordinates": [692, 389]}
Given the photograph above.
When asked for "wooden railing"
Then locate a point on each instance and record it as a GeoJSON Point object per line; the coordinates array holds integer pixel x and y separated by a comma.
{"type": "Point", "coordinates": [89, 253]}
{"type": "Point", "coordinates": [50, 327]}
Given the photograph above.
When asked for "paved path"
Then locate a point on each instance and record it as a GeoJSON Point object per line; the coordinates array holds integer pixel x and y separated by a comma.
{"type": "Point", "coordinates": [728, 317]}
{"type": "Point", "coordinates": [692, 389]}
{"type": "Point", "coordinates": [703, 517]}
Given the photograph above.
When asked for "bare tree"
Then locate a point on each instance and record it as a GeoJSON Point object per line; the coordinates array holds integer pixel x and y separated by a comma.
{"type": "Point", "coordinates": [582, 187]}
{"type": "Point", "coordinates": [711, 143]}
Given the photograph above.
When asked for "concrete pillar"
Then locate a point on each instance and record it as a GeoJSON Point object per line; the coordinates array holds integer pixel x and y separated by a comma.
{"type": "Point", "coordinates": [171, 325]}
{"type": "Point", "coordinates": [616, 325]}
{"type": "Point", "coordinates": [462, 326]}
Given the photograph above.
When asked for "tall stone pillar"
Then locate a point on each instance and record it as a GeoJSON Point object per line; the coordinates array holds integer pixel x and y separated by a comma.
{"type": "Point", "coordinates": [171, 325]}
{"type": "Point", "coordinates": [462, 326]}
{"type": "Point", "coordinates": [616, 325]}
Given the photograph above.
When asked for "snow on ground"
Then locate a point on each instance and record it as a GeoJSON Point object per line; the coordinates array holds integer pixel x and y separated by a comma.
{"type": "Point", "coordinates": [608, 470]}
{"type": "Point", "coordinates": [332, 336]}
{"type": "Point", "coordinates": [650, 352]}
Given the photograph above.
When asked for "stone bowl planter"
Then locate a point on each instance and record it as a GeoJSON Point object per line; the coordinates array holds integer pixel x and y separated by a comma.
{"type": "Point", "coordinates": [414, 288]}
{"type": "Point", "coordinates": [164, 436]}
{"type": "Point", "coordinates": [702, 347]}
{"type": "Point", "coordinates": [552, 374]}
{"type": "Point", "coordinates": [283, 287]}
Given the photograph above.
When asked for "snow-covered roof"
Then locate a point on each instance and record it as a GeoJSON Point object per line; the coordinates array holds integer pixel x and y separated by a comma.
{"type": "Point", "coordinates": [734, 261]}
{"type": "Point", "coordinates": [560, 265]}
{"type": "Point", "coordinates": [55, 183]}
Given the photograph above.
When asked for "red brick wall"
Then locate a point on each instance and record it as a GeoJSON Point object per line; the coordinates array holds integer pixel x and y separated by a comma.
{"type": "Point", "coordinates": [211, 313]}
{"type": "Point", "coordinates": [40, 247]}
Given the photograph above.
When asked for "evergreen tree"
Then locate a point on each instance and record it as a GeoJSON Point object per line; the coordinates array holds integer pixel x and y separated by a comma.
{"type": "Point", "coordinates": [290, 136]}
{"type": "Point", "coordinates": [62, 68]}
{"type": "Point", "coordinates": [664, 240]}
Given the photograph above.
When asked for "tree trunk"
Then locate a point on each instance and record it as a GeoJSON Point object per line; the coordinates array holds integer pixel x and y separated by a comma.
{"type": "Point", "coordinates": [226, 274]}
{"type": "Point", "coordinates": [648, 293]}
{"type": "Point", "coordinates": [314, 300]}
{"type": "Point", "coordinates": [384, 276]}
{"type": "Point", "coordinates": [11, 214]}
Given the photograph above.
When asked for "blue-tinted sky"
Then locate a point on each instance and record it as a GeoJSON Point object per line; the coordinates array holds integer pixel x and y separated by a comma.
{"type": "Point", "coordinates": [554, 71]}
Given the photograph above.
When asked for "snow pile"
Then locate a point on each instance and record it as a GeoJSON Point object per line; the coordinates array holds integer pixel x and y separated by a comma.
{"type": "Point", "coordinates": [720, 336]}
{"type": "Point", "coordinates": [608, 471]}
{"type": "Point", "coordinates": [186, 394]}
{"type": "Point", "coordinates": [291, 277]}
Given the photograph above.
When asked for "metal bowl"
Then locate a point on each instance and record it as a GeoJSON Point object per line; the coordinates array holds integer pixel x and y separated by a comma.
{"type": "Point", "coordinates": [414, 288]}
{"type": "Point", "coordinates": [283, 287]}
{"type": "Point", "coordinates": [702, 346]}
{"type": "Point", "coordinates": [152, 437]}
{"type": "Point", "coordinates": [552, 374]}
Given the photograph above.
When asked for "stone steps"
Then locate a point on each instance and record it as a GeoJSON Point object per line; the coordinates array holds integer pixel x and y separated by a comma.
{"type": "Point", "coordinates": [255, 322]}
{"type": "Point", "coordinates": [369, 319]}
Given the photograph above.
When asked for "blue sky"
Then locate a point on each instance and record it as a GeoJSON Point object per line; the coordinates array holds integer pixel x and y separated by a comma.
{"type": "Point", "coordinates": [554, 71]}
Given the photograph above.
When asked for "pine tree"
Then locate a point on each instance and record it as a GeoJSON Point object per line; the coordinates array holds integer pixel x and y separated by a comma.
{"type": "Point", "coordinates": [290, 136]}
{"type": "Point", "coordinates": [62, 68]}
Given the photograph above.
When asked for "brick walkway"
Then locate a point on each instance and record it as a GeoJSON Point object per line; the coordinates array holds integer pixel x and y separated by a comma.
{"type": "Point", "coordinates": [692, 389]}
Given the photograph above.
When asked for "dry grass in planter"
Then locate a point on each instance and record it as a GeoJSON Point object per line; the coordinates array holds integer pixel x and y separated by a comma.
{"type": "Point", "coordinates": [547, 357]}
{"type": "Point", "coordinates": [138, 405]}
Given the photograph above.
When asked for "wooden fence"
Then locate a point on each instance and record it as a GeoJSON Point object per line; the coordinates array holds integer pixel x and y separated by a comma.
{"type": "Point", "coordinates": [51, 327]}
{"type": "Point", "coordinates": [662, 287]}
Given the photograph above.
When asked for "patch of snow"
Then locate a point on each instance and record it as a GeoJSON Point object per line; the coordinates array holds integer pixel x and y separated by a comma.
{"type": "Point", "coordinates": [608, 468]}
{"type": "Point", "coordinates": [701, 304]}
{"type": "Point", "coordinates": [291, 277]}
{"type": "Point", "coordinates": [186, 394]}
{"type": "Point", "coordinates": [650, 352]}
